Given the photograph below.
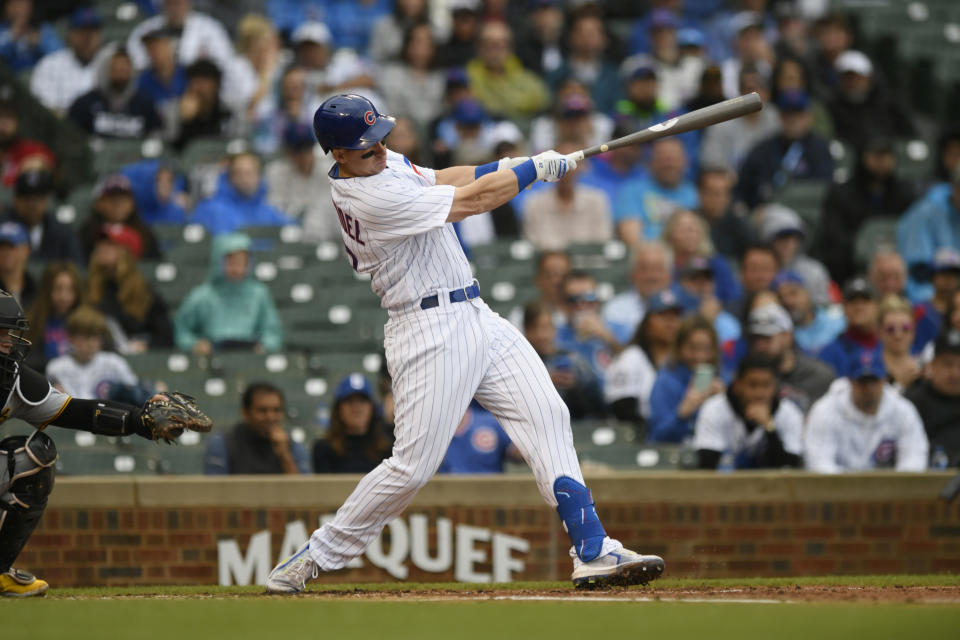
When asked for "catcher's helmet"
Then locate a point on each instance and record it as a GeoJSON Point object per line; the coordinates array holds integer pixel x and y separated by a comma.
{"type": "Point", "coordinates": [349, 121]}
{"type": "Point", "coordinates": [11, 317]}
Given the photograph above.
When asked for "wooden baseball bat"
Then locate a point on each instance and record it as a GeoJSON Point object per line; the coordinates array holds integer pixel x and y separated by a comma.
{"type": "Point", "coordinates": [720, 112]}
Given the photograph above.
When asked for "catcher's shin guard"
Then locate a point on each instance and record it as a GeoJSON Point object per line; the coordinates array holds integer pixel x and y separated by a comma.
{"type": "Point", "coordinates": [27, 469]}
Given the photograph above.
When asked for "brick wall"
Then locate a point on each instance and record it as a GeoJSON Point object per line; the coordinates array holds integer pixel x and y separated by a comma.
{"type": "Point", "coordinates": [711, 526]}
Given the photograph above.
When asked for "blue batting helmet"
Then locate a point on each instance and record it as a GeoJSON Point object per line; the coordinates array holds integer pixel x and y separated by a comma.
{"type": "Point", "coordinates": [349, 122]}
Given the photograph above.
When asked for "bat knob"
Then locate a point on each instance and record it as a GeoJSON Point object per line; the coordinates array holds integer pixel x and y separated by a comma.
{"type": "Point", "coordinates": [604, 148]}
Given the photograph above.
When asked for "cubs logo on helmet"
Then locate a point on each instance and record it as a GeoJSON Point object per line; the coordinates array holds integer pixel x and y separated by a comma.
{"type": "Point", "coordinates": [349, 121]}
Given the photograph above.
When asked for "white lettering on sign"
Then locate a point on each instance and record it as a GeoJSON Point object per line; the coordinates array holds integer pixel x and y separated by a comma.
{"type": "Point", "coordinates": [235, 569]}
{"type": "Point", "coordinates": [462, 548]}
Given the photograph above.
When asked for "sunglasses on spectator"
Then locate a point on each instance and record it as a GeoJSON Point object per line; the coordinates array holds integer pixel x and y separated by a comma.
{"type": "Point", "coordinates": [892, 329]}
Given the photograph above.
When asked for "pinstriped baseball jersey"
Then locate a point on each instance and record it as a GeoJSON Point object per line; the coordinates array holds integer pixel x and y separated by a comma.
{"type": "Point", "coordinates": [394, 227]}
{"type": "Point", "coordinates": [440, 358]}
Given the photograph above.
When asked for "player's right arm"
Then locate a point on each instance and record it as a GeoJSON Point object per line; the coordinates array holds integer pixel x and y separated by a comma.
{"type": "Point", "coordinates": [497, 187]}
{"type": "Point", "coordinates": [485, 194]}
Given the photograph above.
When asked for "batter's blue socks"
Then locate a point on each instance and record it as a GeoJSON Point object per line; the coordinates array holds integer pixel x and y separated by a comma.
{"type": "Point", "coordinates": [575, 506]}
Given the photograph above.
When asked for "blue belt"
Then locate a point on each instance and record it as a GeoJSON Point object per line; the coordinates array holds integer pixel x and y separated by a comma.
{"type": "Point", "coordinates": [457, 295]}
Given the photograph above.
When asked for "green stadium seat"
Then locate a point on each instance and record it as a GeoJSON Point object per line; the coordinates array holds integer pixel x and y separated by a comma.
{"type": "Point", "coordinates": [110, 155]}
{"type": "Point", "coordinates": [501, 252]}
{"type": "Point", "coordinates": [915, 160]}
{"type": "Point", "coordinates": [874, 234]}
{"type": "Point", "coordinates": [805, 197]}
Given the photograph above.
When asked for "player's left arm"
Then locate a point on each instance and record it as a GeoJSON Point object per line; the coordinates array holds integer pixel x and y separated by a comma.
{"type": "Point", "coordinates": [461, 176]}
{"type": "Point", "coordinates": [456, 176]}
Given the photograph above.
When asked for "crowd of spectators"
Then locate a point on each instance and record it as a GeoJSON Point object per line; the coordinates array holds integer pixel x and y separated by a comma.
{"type": "Point", "coordinates": [751, 332]}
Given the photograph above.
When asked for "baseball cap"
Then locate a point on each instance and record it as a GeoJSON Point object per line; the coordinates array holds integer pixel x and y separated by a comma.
{"type": "Point", "coordinates": [859, 287]}
{"type": "Point", "coordinates": [946, 259]}
{"type": "Point", "coordinates": [113, 183]}
{"type": "Point", "coordinates": [697, 265]}
{"type": "Point", "coordinates": [311, 32]}
{"type": "Point", "coordinates": [456, 78]}
{"type": "Point", "coordinates": [459, 6]}
{"type": "Point", "coordinates": [769, 320]}
{"type": "Point", "coordinates": [780, 220]}
{"type": "Point", "coordinates": [867, 364]}
{"type": "Point", "coordinates": [793, 100]}
{"type": "Point", "coordinates": [853, 61]}
{"type": "Point", "coordinates": [33, 182]}
{"type": "Point", "coordinates": [124, 235]}
{"type": "Point", "coordinates": [14, 233]}
{"type": "Point", "coordinates": [639, 66]}
{"type": "Point", "coordinates": [746, 20]}
{"type": "Point", "coordinates": [786, 277]}
{"type": "Point", "coordinates": [663, 300]}
{"type": "Point", "coordinates": [298, 136]}
{"type": "Point", "coordinates": [468, 112]}
{"type": "Point", "coordinates": [946, 343]}
{"type": "Point", "coordinates": [353, 384]}
{"type": "Point", "coordinates": [85, 18]}
{"type": "Point", "coordinates": [663, 19]}
{"type": "Point", "coordinates": [690, 37]}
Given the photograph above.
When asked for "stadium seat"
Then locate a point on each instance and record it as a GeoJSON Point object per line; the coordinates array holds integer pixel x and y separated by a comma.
{"type": "Point", "coordinates": [805, 197]}
{"type": "Point", "coordinates": [875, 233]}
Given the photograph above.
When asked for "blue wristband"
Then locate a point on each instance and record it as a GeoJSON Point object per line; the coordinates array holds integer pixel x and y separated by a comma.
{"type": "Point", "coordinates": [484, 169]}
{"type": "Point", "coordinates": [526, 174]}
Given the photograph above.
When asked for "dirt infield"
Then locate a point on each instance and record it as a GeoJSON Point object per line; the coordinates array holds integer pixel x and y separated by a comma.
{"type": "Point", "coordinates": [652, 593]}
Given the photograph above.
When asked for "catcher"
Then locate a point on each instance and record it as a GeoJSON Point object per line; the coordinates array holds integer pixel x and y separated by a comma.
{"type": "Point", "coordinates": [27, 463]}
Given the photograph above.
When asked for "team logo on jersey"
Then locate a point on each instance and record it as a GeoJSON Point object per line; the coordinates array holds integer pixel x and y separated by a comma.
{"type": "Point", "coordinates": [885, 455]}
{"type": "Point", "coordinates": [484, 440]}
{"type": "Point", "coordinates": [369, 118]}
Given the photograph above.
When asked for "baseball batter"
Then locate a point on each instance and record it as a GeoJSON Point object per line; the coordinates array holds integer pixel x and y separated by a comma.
{"type": "Point", "coordinates": [443, 345]}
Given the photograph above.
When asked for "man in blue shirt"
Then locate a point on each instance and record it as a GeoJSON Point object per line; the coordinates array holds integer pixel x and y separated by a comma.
{"type": "Point", "coordinates": [862, 333]}
{"type": "Point", "coordinates": [643, 206]}
{"type": "Point", "coordinates": [814, 327]}
{"type": "Point", "coordinates": [480, 445]}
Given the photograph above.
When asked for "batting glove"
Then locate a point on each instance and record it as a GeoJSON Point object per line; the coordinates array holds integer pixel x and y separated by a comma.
{"type": "Point", "coordinates": [510, 163]}
{"type": "Point", "coordinates": [551, 166]}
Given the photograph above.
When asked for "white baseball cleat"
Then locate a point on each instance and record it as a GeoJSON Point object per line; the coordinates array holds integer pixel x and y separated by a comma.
{"type": "Point", "coordinates": [291, 575]}
{"type": "Point", "coordinates": [615, 567]}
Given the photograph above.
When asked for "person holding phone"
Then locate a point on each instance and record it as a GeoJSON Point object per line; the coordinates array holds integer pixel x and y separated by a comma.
{"type": "Point", "coordinates": [750, 422]}
{"type": "Point", "coordinates": [683, 386]}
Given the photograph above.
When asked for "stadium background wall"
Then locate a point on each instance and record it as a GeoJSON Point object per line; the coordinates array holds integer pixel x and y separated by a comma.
{"type": "Point", "coordinates": [132, 530]}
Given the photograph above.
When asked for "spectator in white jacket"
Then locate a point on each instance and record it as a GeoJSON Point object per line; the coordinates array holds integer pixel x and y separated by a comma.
{"type": "Point", "coordinates": [66, 74]}
{"type": "Point", "coordinates": [198, 35]}
{"type": "Point", "coordinates": [863, 423]}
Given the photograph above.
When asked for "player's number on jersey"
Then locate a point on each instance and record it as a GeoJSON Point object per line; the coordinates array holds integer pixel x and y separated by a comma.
{"type": "Point", "coordinates": [351, 255]}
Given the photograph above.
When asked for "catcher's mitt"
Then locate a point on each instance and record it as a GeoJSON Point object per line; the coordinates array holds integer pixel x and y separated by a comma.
{"type": "Point", "coordinates": [168, 413]}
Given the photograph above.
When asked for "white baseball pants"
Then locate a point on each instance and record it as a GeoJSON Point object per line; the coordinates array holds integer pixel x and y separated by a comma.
{"type": "Point", "coordinates": [440, 359]}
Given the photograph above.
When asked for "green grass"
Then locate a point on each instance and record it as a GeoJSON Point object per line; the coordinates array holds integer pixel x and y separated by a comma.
{"type": "Point", "coordinates": [81, 614]}
{"type": "Point", "coordinates": [484, 620]}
